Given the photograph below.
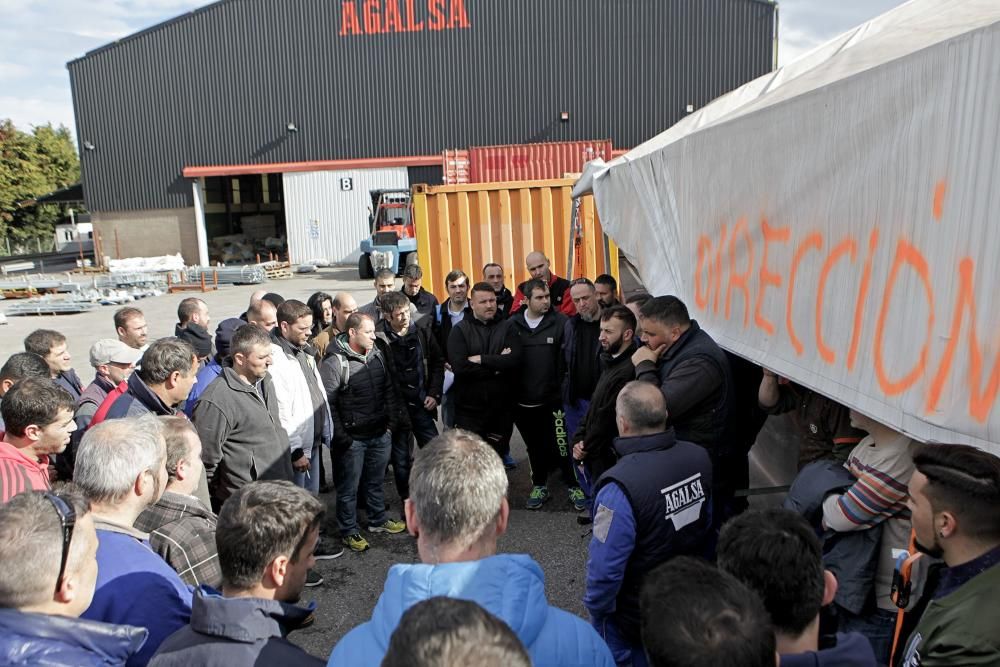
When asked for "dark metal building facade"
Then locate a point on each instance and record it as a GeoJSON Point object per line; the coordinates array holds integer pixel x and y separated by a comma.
{"type": "Point", "coordinates": [222, 84]}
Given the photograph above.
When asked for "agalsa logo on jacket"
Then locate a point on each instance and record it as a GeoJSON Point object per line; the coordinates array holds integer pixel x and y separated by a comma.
{"type": "Point", "coordinates": [375, 17]}
{"type": "Point", "coordinates": [684, 500]}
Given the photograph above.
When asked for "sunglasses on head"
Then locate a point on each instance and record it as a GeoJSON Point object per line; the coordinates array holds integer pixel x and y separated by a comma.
{"type": "Point", "coordinates": [67, 521]}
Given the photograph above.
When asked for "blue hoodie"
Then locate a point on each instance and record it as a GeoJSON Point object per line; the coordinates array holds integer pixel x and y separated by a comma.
{"type": "Point", "coordinates": [851, 650]}
{"type": "Point", "coordinates": [509, 586]}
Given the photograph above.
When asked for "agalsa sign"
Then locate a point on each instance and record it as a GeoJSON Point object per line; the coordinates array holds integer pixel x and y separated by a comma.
{"type": "Point", "coordinates": [374, 17]}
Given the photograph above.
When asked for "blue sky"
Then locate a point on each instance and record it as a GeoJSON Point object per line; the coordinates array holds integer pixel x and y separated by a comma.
{"type": "Point", "coordinates": [38, 38]}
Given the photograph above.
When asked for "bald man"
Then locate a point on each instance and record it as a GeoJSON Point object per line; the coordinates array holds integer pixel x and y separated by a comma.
{"type": "Point", "coordinates": [264, 314]}
{"type": "Point", "coordinates": [652, 505]}
{"type": "Point", "coordinates": [538, 268]}
{"type": "Point", "coordinates": [344, 306]}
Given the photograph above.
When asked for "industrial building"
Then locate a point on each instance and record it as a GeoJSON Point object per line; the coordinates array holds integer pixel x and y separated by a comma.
{"type": "Point", "coordinates": [275, 118]}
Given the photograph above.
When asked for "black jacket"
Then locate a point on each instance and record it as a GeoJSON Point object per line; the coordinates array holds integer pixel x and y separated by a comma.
{"type": "Point", "coordinates": [504, 302]}
{"type": "Point", "coordinates": [695, 379]}
{"type": "Point", "coordinates": [483, 387]}
{"type": "Point", "coordinates": [541, 370]}
{"type": "Point", "coordinates": [442, 325]}
{"type": "Point", "coordinates": [416, 384]}
{"type": "Point", "coordinates": [581, 363]}
{"type": "Point", "coordinates": [237, 631]}
{"type": "Point", "coordinates": [425, 302]}
{"type": "Point", "coordinates": [241, 434]}
{"type": "Point", "coordinates": [598, 429]}
{"type": "Point", "coordinates": [362, 393]}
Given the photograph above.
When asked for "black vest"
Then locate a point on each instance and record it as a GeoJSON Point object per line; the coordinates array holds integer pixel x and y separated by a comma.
{"type": "Point", "coordinates": [668, 483]}
{"type": "Point", "coordinates": [704, 424]}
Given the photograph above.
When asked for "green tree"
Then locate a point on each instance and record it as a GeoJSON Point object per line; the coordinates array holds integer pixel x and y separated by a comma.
{"type": "Point", "coordinates": [31, 165]}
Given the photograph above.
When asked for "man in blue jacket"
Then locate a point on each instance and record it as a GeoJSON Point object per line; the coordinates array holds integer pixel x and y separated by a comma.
{"type": "Point", "coordinates": [777, 554]}
{"type": "Point", "coordinates": [47, 547]}
{"type": "Point", "coordinates": [121, 469]}
{"type": "Point", "coordinates": [457, 509]}
{"type": "Point", "coordinates": [652, 505]}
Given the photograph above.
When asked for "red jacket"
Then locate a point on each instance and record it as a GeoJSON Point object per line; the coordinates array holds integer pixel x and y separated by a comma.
{"type": "Point", "coordinates": [19, 472]}
{"type": "Point", "coordinates": [558, 288]}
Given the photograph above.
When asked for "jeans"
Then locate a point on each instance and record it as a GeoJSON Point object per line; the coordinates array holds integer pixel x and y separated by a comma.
{"type": "Point", "coordinates": [372, 456]}
{"type": "Point", "coordinates": [309, 479]}
{"type": "Point", "coordinates": [424, 429]}
{"type": "Point", "coordinates": [877, 626]}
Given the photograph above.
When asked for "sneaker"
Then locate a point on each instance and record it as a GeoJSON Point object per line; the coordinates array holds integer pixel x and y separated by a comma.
{"type": "Point", "coordinates": [539, 495]}
{"type": "Point", "coordinates": [327, 550]}
{"type": "Point", "coordinates": [508, 462]}
{"type": "Point", "coordinates": [355, 542]}
{"type": "Point", "coordinates": [577, 498]}
{"type": "Point", "coordinates": [390, 526]}
{"type": "Point", "coordinates": [313, 579]}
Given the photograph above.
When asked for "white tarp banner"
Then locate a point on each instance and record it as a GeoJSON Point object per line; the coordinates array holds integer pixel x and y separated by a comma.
{"type": "Point", "coordinates": [838, 220]}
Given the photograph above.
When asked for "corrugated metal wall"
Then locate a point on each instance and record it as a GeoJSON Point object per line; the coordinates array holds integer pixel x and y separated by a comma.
{"type": "Point", "coordinates": [220, 85]}
{"type": "Point", "coordinates": [467, 226]}
{"type": "Point", "coordinates": [326, 222]}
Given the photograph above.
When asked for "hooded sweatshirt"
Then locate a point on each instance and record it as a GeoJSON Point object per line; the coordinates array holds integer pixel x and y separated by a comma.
{"type": "Point", "coordinates": [237, 631]}
{"type": "Point", "coordinates": [509, 586]}
{"type": "Point", "coordinates": [20, 472]}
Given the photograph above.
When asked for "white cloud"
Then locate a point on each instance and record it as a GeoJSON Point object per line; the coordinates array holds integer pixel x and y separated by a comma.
{"type": "Point", "coordinates": [805, 24]}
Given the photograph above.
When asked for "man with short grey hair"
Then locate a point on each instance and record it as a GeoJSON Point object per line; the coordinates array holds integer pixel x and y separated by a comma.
{"type": "Point", "coordinates": [632, 533]}
{"type": "Point", "coordinates": [47, 547]}
{"type": "Point", "coordinates": [121, 468]}
{"type": "Point", "coordinates": [457, 510]}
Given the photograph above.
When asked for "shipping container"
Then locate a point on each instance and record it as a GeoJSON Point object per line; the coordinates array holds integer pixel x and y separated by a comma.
{"type": "Point", "coordinates": [533, 162]}
{"type": "Point", "coordinates": [467, 226]}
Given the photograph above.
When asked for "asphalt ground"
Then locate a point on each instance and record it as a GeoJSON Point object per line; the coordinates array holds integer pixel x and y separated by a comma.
{"type": "Point", "coordinates": [354, 581]}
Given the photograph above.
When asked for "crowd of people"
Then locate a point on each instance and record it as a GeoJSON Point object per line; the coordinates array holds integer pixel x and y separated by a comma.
{"type": "Point", "coordinates": [169, 512]}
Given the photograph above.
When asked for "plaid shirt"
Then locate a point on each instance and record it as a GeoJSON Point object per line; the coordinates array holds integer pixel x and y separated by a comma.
{"type": "Point", "coordinates": [182, 531]}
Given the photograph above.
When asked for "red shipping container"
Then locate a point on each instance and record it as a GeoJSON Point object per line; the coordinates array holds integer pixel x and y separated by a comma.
{"type": "Point", "coordinates": [533, 162]}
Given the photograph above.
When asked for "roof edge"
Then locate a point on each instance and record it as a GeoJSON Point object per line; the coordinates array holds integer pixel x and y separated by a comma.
{"type": "Point", "coordinates": [317, 165]}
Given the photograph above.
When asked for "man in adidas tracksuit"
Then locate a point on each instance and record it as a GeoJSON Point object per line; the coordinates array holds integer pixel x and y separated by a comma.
{"type": "Point", "coordinates": [538, 413]}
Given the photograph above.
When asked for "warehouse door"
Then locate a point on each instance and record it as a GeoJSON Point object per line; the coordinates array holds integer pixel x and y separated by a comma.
{"type": "Point", "coordinates": [327, 211]}
{"type": "Point", "coordinates": [244, 218]}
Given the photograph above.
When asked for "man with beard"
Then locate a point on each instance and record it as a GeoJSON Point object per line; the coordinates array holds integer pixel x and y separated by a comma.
{"type": "Point", "coordinates": [192, 326]}
{"type": "Point", "coordinates": [485, 354]}
{"type": "Point", "coordinates": [954, 499]}
{"type": "Point", "coordinates": [607, 290]}
{"type": "Point", "coordinates": [593, 439]}
{"type": "Point", "coordinates": [493, 274]}
{"type": "Point", "coordinates": [581, 349]}
{"type": "Point", "coordinates": [344, 306]}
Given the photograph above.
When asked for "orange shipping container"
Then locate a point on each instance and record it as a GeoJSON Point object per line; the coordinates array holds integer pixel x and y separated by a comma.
{"type": "Point", "coordinates": [467, 226]}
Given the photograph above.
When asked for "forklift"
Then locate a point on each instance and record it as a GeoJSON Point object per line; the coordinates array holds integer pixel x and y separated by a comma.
{"type": "Point", "coordinates": [393, 240]}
